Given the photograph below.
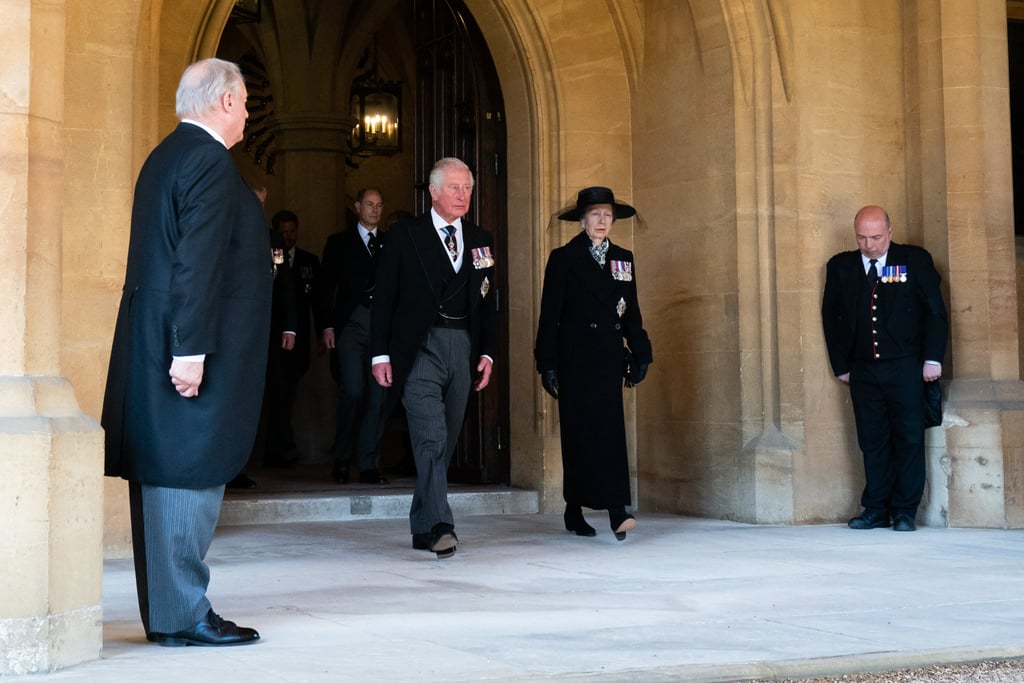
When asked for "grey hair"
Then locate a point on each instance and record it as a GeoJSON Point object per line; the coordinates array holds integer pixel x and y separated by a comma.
{"type": "Point", "coordinates": [442, 167]}
{"type": "Point", "coordinates": [203, 84]}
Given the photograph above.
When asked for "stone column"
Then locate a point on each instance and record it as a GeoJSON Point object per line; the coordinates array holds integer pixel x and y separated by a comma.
{"type": "Point", "coordinates": [311, 154]}
{"type": "Point", "coordinates": [51, 493]}
{"type": "Point", "coordinates": [958, 86]}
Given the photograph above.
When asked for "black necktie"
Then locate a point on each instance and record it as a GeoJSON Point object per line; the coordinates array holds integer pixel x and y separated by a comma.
{"type": "Point", "coordinates": [371, 244]}
{"type": "Point", "coordinates": [453, 246]}
{"type": "Point", "coordinates": [873, 271]}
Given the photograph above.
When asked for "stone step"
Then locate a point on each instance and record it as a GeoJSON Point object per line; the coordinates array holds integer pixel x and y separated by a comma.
{"type": "Point", "coordinates": [349, 503]}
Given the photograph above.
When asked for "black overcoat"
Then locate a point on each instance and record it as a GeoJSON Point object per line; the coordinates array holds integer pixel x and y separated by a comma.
{"type": "Point", "coordinates": [585, 314]}
{"type": "Point", "coordinates": [411, 276]}
{"type": "Point", "coordinates": [913, 313]}
{"type": "Point", "coordinates": [198, 281]}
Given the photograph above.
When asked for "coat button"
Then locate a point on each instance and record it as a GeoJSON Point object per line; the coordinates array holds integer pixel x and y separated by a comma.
{"type": "Point", "coordinates": [593, 326]}
{"type": "Point", "coordinates": [618, 326]}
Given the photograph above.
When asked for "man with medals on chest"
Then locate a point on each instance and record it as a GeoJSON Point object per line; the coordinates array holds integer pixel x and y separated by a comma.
{"type": "Point", "coordinates": [885, 329]}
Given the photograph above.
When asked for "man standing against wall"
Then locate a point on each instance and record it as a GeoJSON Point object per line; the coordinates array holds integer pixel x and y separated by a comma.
{"type": "Point", "coordinates": [346, 289]}
{"type": "Point", "coordinates": [432, 325]}
{"type": "Point", "coordinates": [186, 369]}
{"type": "Point", "coordinates": [885, 329]}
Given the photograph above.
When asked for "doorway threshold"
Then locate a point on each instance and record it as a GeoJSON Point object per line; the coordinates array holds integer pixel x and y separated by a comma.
{"type": "Point", "coordinates": [307, 494]}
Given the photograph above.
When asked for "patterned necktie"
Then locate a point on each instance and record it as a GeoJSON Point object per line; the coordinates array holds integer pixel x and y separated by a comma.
{"type": "Point", "coordinates": [371, 244]}
{"type": "Point", "coordinates": [453, 246]}
{"type": "Point", "coordinates": [873, 271]}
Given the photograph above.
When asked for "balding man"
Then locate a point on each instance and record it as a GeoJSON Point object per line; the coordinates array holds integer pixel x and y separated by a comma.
{"type": "Point", "coordinates": [186, 369]}
{"type": "Point", "coordinates": [885, 329]}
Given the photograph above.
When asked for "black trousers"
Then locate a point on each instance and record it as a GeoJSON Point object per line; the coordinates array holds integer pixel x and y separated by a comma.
{"type": "Point", "coordinates": [888, 406]}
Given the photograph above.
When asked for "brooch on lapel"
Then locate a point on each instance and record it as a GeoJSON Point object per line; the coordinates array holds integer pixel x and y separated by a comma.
{"type": "Point", "coordinates": [620, 307]}
{"type": "Point", "coordinates": [892, 274]}
{"type": "Point", "coordinates": [482, 258]}
{"type": "Point", "coordinates": [485, 287]}
{"type": "Point", "coordinates": [622, 271]}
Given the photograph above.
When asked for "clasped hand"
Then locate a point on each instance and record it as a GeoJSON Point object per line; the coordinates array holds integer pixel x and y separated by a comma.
{"type": "Point", "coordinates": [186, 376]}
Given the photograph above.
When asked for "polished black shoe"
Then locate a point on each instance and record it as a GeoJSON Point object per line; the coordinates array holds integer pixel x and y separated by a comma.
{"type": "Point", "coordinates": [283, 461]}
{"type": "Point", "coordinates": [242, 481]}
{"type": "Point", "coordinates": [212, 631]}
{"type": "Point", "coordinates": [903, 522]}
{"type": "Point", "coordinates": [870, 520]}
{"type": "Point", "coordinates": [443, 540]}
{"type": "Point", "coordinates": [339, 472]}
{"type": "Point", "coordinates": [575, 522]}
{"type": "Point", "coordinates": [371, 477]}
{"type": "Point", "coordinates": [421, 541]}
{"type": "Point", "coordinates": [621, 522]}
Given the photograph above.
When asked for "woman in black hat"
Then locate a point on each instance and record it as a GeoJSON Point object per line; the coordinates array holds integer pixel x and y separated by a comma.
{"type": "Point", "coordinates": [588, 307]}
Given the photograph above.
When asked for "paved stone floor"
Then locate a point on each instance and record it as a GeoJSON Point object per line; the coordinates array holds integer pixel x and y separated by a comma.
{"type": "Point", "coordinates": [679, 600]}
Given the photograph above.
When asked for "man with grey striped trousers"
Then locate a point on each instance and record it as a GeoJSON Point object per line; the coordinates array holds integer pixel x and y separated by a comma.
{"type": "Point", "coordinates": [431, 328]}
{"type": "Point", "coordinates": [194, 313]}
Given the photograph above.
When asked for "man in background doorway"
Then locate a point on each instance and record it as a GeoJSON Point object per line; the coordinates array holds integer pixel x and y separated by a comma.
{"type": "Point", "coordinates": [348, 277]}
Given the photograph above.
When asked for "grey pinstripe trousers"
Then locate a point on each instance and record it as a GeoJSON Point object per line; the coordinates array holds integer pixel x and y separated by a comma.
{"type": "Point", "coordinates": [435, 397]}
{"type": "Point", "coordinates": [172, 530]}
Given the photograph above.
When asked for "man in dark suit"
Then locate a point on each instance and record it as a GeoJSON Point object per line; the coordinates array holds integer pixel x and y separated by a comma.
{"type": "Point", "coordinates": [289, 361]}
{"type": "Point", "coordinates": [432, 324]}
{"type": "Point", "coordinates": [194, 313]}
{"type": "Point", "coordinates": [885, 328]}
{"type": "Point", "coordinates": [347, 279]}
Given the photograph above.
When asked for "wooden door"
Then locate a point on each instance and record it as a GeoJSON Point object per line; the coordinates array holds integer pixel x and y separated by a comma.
{"type": "Point", "coordinates": [460, 113]}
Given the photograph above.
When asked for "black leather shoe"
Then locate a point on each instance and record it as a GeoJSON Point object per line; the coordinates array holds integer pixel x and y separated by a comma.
{"type": "Point", "coordinates": [421, 541]}
{"type": "Point", "coordinates": [621, 522]}
{"type": "Point", "coordinates": [339, 472]}
{"type": "Point", "coordinates": [242, 481]}
{"type": "Point", "coordinates": [443, 540]}
{"type": "Point", "coordinates": [371, 477]}
{"type": "Point", "coordinates": [575, 522]}
{"type": "Point", "coordinates": [903, 522]}
{"type": "Point", "coordinates": [212, 631]}
{"type": "Point", "coordinates": [870, 520]}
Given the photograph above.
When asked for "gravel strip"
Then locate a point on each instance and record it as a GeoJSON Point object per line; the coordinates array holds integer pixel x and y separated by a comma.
{"type": "Point", "coordinates": [1002, 671]}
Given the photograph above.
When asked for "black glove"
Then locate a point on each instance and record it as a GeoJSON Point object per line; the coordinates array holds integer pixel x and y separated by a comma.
{"type": "Point", "coordinates": [549, 380]}
{"type": "Point", "coordinates": [634, 374]}
{"type": "Point", "coordinates": [641, 372]}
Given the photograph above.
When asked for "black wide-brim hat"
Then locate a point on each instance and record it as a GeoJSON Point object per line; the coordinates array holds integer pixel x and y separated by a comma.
{"type": "Point", "coordinates": [589, 196]}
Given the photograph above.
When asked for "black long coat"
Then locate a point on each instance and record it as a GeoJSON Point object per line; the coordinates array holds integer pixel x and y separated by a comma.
{"type": "Point", "coordinates": [585, 314]}
{"type": "Point", "coordinates": [198, 281]}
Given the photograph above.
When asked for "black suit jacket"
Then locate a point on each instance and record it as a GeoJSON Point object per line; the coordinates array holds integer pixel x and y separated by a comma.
{"type": "Point", "coordinates": [410, 279]}
{"type": "Point", "coordinates": [198, 281]}
{"type": "Point", "coordinates": [912, 312]}
{"type": "Point", "coordinates": [345, 272]}
{"type": "Point", "coordinates": [305, 271]}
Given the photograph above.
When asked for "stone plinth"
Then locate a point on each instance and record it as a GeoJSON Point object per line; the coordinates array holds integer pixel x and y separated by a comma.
{"type": "Point", "coordinates": [51, 501]}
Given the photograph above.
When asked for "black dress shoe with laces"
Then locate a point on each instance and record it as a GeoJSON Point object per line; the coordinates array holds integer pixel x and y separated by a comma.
{"type": "Point", "coordinates": [212, 631]}
{"type": "Point", "coordinates": [339, 472]}
{"type": "Point", "coordinates": [575, 522]}
{"type": "Point", "coordinates": [371, 477]}
{"type": "Point", "coordinates": [443, 540]}
{"type": "Point", "coordinates": [903, 522]}
{"type": "Point", "coordinates": [242, 481]}
{"type": "Point", "coordinates": [870, 520]}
